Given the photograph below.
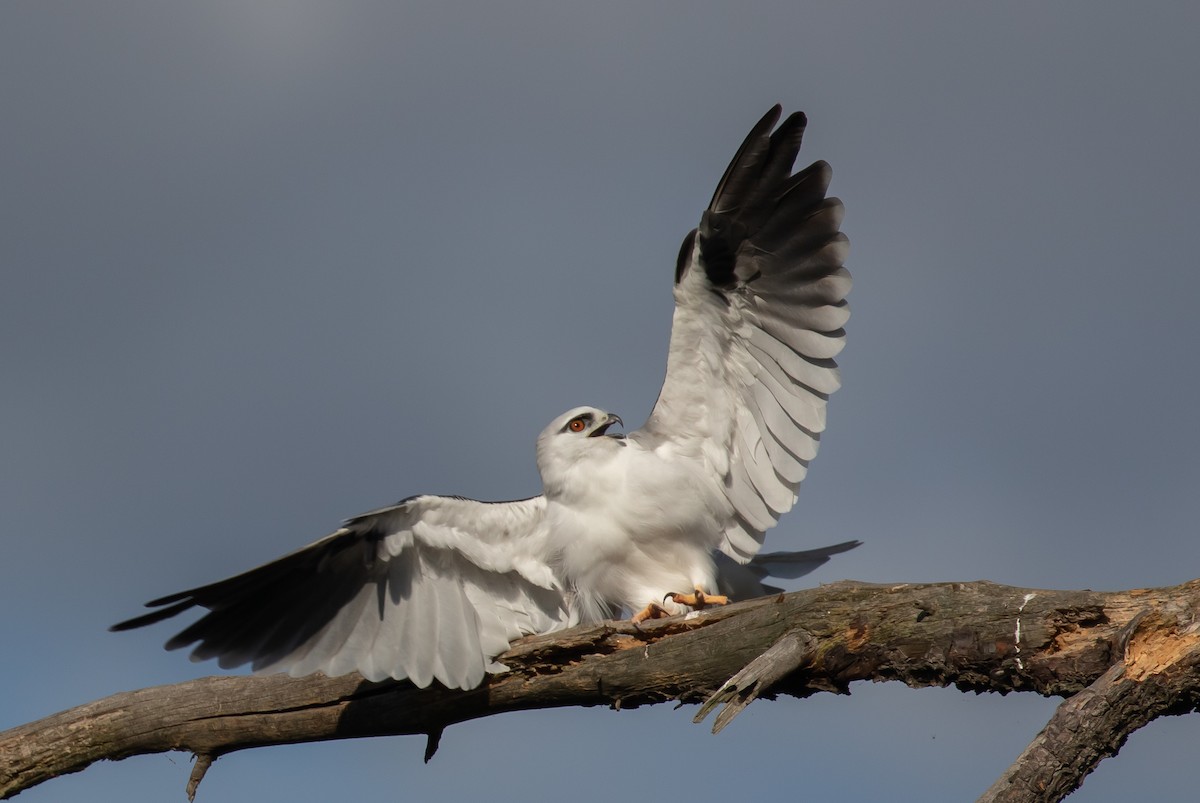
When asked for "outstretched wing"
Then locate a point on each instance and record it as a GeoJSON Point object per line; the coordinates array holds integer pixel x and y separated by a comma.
{"type": "Point", "coordinates": [759, 307]}
{"type": "Point", "coordinates": [433, 587]}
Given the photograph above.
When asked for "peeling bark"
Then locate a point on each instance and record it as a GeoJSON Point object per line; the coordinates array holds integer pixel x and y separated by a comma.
{"type": "Point", "coordinates": [1123, 658]}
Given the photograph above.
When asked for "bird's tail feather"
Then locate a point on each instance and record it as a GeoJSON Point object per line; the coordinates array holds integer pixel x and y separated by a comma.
{"type": "Point", "coordinates": [745, 581]}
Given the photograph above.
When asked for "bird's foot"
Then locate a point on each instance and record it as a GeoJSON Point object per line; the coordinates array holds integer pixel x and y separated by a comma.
{"type": "Point", "coordinates": [697, 600]}
{"type": "Point", "coordinates": [651, 611]}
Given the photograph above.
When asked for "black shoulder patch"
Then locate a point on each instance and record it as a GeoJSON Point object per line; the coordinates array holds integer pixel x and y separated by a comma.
{"type": "Point", "coordinates": [685, 253]}
{"type": "Point", "coordinates": [720, 235]}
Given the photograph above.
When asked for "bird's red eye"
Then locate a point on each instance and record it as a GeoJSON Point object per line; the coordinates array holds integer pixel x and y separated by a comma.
{"type": "Point", "coordinates": [577, 425]}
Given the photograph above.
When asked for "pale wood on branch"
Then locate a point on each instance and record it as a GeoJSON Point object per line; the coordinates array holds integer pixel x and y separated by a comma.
{"type": "Point", "coordinates": [1133, 654]}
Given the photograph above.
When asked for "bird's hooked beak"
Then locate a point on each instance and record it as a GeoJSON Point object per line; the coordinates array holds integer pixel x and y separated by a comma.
{"type": "Point", "coordinates": [603, 428]}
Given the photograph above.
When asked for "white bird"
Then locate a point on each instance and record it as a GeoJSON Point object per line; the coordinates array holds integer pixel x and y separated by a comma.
{"type": "Point", "coordinates": [668, 516]}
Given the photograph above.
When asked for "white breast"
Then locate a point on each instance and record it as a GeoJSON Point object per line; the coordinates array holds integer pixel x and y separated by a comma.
{"type": "Point", "coordinates": [628, 525]}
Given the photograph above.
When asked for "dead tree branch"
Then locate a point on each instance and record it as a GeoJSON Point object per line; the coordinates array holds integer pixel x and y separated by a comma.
{"type": "Point", "coordinates": [1122, 659]}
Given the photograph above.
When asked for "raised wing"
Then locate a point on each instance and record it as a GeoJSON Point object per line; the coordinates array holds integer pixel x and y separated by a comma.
{"type": "Point", "coordinates": [432, 588]}
{"type": "Point", "coordinates": [759, 307]}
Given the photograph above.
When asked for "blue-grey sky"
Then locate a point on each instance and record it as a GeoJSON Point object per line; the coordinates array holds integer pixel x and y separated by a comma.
{"type": "Point", "coordinates": [267, 265]}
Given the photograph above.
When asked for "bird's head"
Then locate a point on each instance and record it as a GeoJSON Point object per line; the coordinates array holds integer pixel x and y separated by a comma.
{"type": "Point", "coordinates": [574, 436]}
{"type": "Point", "coordinates": [582, 422]}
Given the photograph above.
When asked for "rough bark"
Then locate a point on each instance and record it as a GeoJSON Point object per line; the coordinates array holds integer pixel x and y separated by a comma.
{"type": "Point", "coordinates": [1122, 659]}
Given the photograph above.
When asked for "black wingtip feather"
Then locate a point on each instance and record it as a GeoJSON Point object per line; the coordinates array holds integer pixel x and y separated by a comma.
{"type": "Point", "coordinates": [758, 199]}
{"type": "Point", "coordinates": [153, 617]}
{"type": "Point", "coordinates": [751, 150]}
{"type": "Point", "coordinates": [170, 598]}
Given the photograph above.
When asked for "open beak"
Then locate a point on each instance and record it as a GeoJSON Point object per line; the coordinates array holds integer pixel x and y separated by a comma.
{"type": "Point", "coordinates": [603, 428]}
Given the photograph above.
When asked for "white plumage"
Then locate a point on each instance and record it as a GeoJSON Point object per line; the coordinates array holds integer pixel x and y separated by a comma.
{"type": "Point", "coordinates": [435, 587]}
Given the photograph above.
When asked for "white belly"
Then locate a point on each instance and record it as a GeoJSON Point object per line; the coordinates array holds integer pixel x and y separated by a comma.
{"type": "Point", "coordinates": [633, 530]}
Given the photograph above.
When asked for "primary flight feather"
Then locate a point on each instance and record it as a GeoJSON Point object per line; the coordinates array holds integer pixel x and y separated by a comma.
{"type": "Point", "coordinates": [672, 514]}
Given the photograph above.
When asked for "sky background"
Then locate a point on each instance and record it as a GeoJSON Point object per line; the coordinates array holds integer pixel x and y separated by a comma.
{"type": "Point", "coordinates": [267, 265]}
